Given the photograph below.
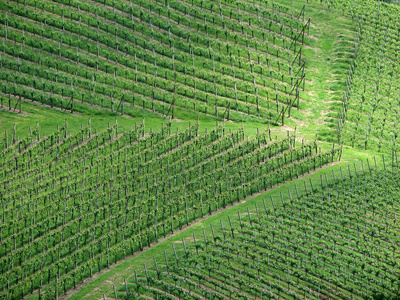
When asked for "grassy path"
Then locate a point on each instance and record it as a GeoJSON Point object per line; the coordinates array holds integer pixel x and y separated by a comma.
{"type": "Point", "coordinates": [327, 65]}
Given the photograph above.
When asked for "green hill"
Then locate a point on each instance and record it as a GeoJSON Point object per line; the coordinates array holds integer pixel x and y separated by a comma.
{"type": "Point", "coordinates": [321, 244]}
{"type": "Point", "coordinates": [189, 107]}
{"type": "Point", "coordinates": [238, 62]}
{"type": "Point", "coordinates": [75, 203]}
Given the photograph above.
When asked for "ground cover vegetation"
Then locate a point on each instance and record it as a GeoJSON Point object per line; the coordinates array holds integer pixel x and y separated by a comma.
{"type": "Point", "coordinates": [370, 114]}
{"type": "Point", "coordinates": [76, 203]}
{"type": "Point", "coordinates": [226, 60]}
{"type": "Point", "coordinates": [340, 240]}
{"type": "Point", "coordinates": [292, 86]}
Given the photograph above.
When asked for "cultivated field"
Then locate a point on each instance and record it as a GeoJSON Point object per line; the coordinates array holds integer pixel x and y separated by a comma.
{"type": "Point", "coordinates": [195, 149]}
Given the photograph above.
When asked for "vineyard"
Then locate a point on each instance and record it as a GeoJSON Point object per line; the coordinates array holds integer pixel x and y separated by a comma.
{"type": "Point", "coordinates": [229, 61]}
{"type": "Point", "coordinates": [192, 149]}
{"type": "Point", "coordinates": [76, 203]}
{"type": "Point", "coordinates": [317, 245]}
{"type": "Point", "coordinates": [371, 101]}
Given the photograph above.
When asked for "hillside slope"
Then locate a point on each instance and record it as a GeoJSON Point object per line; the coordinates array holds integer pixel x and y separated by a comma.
{"type": "Point", "coordinates": [286, 79]}
{"type": "Point", "coordinates": [339, 241]}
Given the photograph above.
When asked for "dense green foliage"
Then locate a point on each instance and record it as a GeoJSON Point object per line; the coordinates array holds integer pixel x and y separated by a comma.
{"type": "Point", "coordinates": [369, 117]}
{"type": "Point", "coordinates": [226, 60]}
{"type": "Point", "coordinates": [73, 204]}
{"type": "Point", "coordinates": [340, 241]}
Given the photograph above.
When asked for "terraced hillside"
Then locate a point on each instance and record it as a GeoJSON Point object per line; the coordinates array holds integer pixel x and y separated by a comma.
{"type": "Point", "coordinates": [339, 241]}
